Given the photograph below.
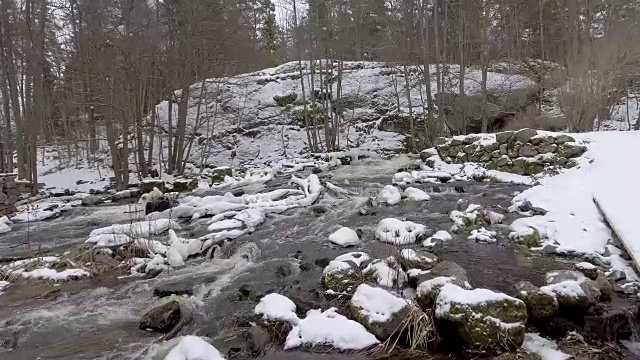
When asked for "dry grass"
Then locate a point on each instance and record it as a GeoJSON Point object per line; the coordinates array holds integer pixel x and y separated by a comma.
{"type": "Point", "coordinates": [575, 345]}
{"type": "Point", "coordinates": [90, 259]}
{"type": "Point", "coordinates": [413, 336]}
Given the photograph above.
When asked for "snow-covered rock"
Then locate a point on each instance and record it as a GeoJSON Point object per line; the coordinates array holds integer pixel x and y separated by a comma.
{"type": "Point", "coordinates": [485, 322]}
{"type": "Point", "coordinates": [52, 274]}
{"type": "Point", "coordinates": [483, 235]}
{"type": "Point", "coordinates": [389, 195]}
{"type": "Point", "coordinates": [344, 273]}
{"type": "Point", "coordinates": [387, 272]}
{"type": "Point", "coordinates": [344, 237]}
{"type": "Point", "coordinates": [439, 237]}
{"type": "Point", "coordinates": [467, 219]}
{"type": "Point", "coordinates": [412, 260]}
{"type": "Point", "coordinates": [276, 307]}
{"type": "Point", "coordinates": [138, 229]}
{"type": "Point", "coordinates": [331, 329]}
{"type": "Point", "coordinates": [108, 240]}
{"type": "Point", "coordinates": [572, 288]}
{"type": "Point", "coordinates": [398, 232]}
{"type": "Point", "coordinates": [378, 310]}
{"type": "Point", "coordinates": [416, 194]}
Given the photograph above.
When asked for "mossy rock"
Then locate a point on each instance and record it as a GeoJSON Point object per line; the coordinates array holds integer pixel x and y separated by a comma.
{"type": "Point", "coordinates": [487, 327]}
{"type": "Point", "coordinates": [285, 100]}
{"type": "Point", "coordinates": [532, 168]}
{"type": "Point", "coordinates": [184, 185]}
{"type": "Point", "coordinates": [146, 186]}
{"type": "Point", "coordinates": [492, 165]}
{"type": "Point", "coordinates": [540, 304]}
{"type": "Point", "coordinates": [346, 280]}
{"type": "Point", "coordinates": [218, 175]}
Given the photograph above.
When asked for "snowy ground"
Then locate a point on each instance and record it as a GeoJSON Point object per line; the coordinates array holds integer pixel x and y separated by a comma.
{"type": "Point", "coordinates": [608, 173]}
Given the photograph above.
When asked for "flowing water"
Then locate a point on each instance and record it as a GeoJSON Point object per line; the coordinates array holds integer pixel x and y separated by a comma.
{"type": "Point", "coordinates": [98, 318]}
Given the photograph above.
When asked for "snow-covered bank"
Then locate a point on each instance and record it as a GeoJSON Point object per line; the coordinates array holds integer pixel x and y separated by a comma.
{"type": "Point", "coordinates": [573, 223]}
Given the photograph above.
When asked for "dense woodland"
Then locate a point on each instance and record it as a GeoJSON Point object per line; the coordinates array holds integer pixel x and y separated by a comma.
{"type": "Point", "coordinates": [75, 72]}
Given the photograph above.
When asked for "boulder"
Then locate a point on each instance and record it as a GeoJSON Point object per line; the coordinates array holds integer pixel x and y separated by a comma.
{"type": "Point", "coordinates": [572, 289]}
{"type": "Point", "coordinates": [411, 259]}
{"type": "Point", "coordinates": [610, 322]}
{"type": "Point", "coordinates": [482, 321]}
{"type": "Point", "coordinates": [158, 205]}
{"type": "Point", "coordinates": [606, 289]}
{"type": "Point", "coordinates": [571, 150]}
{"type": "Point", "coordinates": [162, 318]}
{"type": "Point", "coordinates": [617, 275]}
{"type": "Point", "coordinates": [429, 285]}
{"type": "Point", "coordinates": [218, 174]}
{"type": "Point", "coordinates": [525, 135]}
{"type": "Point", "coordinates": [185, 185]}
{"type": "Point", "coordinates": [562, 139]}
{"type": "Point", "coordinates": [504, 137]}
{"type": "Point", "coordinates": [587, 269]}
{"type": "Point", "coordinates": [528, 150]}
{"type": "Point", "coordinates": [378, 310]}
{"type": "Point", "coordinates": [92, 200]}
{"type": "Point", "coordinates": [257, 340]}
{"type": "Point", "coordinates": [539, 304]}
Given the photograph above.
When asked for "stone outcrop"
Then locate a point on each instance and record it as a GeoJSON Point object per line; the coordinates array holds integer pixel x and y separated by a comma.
{"type": "Point", "coordinates": [8, 194]}
{"type": "Point", "coordinates": [524, 152]}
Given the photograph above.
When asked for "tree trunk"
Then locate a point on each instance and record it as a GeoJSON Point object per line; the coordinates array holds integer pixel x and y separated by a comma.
{"type": "Point", "coordinates": [462, 65]}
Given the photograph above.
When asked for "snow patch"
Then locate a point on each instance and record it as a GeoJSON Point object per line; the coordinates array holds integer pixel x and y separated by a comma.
{"type": "Point", "coordinates": [330, 328]}
{"type": "Point", "coordinates": [375, 304]}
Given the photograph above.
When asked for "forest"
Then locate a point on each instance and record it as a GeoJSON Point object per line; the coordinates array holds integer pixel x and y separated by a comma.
{"type": "Point", "coordinates": [86, 75]}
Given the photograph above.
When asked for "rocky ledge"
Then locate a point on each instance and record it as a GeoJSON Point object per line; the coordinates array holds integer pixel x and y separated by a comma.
{"type": "Point", "coordinates": [523, 152]}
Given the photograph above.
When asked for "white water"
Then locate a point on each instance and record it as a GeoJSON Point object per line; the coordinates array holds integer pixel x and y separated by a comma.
{"type": "Point", "coordinates": [371, 168]}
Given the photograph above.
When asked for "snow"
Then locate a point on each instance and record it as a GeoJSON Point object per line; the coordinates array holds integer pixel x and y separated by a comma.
{"type": "Point", "coordinates": [344, 237]}
{"type": "Point", "coordinates": [277, 307]}
{"type": "Point", "coordinates": [51, 274]}
{"type": "Point", "coordinates": [461, 218]}
{"type": "Point", "coordinates": [398, 232]}
{"type": "Point", "coordinates": [33, 215]}
{"type": "Point", "coordinates": [376, 304]}
{"type": "Point", "coordinates": [569, 288]}
{"type": "Point", "coordinates": [138, 229]}
{"type": "Point", "coordinates": [546, 349]}
{"type": "Point", "coordinates": [329, 328]}
{"type": "Point", "coordinates": [416, 194]}
{"type": "Point", "coordinates": [483, 235]}
{"type": "Point", "coordinates": [225, 224]}
{"type": "Point", "coordinates": [389, 195]}
{"type": "Point", "coordinates": [451, 293]}
{"type": "Point", "coordinates": [193, 348]}
{"type": "Point", "coordinates": [5, 225]}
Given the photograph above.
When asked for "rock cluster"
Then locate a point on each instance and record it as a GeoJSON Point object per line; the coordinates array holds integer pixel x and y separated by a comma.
{"type": "Point", "coordinates": [8, 194]}
{"type": "Point", "coordinates": [524, 152]}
